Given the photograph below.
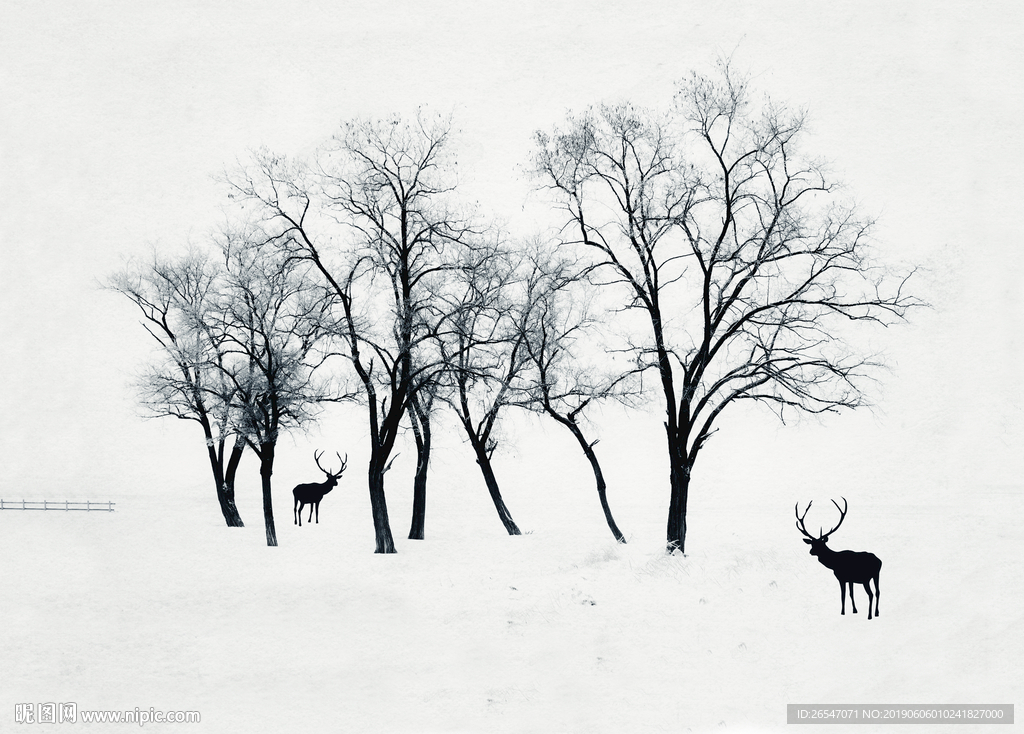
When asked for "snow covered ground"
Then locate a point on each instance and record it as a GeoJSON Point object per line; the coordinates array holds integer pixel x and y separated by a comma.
{"type": "Point", "coordinates": [115, 114]}
{"type": "Point", "coordinates": [559, 630]}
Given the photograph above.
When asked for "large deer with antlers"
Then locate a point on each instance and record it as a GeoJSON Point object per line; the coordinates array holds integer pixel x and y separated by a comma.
{"type": "Point", "coordinates": [850, 567]}
{"type": "Point", "coordinates": [311, 494]}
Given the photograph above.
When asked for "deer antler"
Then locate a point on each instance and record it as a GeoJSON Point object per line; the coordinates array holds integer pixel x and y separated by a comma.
{"type": "Point", "coordinates": [316, 458]}
{"type": "Point", "coordinates": [821, 534]}
{"type": "Point", "coordinates": [344, 463]}
{"type": "Point", "coordinates": [800, 519]}
{"type": "Point", "coordinates": [842, 516]}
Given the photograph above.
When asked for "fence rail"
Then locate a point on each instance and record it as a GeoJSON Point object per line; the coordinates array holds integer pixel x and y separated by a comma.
{"type": "Point", "coordinates": [63, 505]}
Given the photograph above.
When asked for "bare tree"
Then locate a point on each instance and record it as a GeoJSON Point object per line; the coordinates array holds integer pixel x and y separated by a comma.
{"type": "Point", "coordinates": [483, 349]}
{"type": "Point", "coordinates": [390, 185]}
{"type": "Point", "coordinates": [554, 319]}
{"type": "Point", "coordinates": [273, 318]}
{"type": "Point", "coordinates": [175, 297]}
{"type": "Point", "coordinates": [732, 242]}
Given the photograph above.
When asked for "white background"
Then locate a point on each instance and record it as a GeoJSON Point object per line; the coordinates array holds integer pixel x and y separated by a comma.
{"type": "Point", "coordinates": [116, 118]}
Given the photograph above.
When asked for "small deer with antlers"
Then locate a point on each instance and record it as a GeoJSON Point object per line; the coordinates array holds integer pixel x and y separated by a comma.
{"type": "Point", "coordinates": [311, 494]}
{"type": "Point", "coordinates": [850, 567]}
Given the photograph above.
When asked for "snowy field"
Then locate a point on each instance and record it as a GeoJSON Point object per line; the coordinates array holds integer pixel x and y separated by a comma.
{"type": "Point", "coordinates": [559, 630]}
{"type": "Point", "coordinates": [116, 120]}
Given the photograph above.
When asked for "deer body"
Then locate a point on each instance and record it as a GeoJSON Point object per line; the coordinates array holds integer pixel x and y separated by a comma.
{"type": "Point", "coordinates": [311, 493]}
{"type": "Point", "coordinates": [850, 567]}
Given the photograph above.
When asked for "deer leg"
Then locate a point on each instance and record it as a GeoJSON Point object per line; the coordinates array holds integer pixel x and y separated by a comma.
{"type": "Point", "coordinates": [852, 602]}
{"type": "Point", "coordinates": [878, 595]}
{"type": "Point", "coordinates": [842, 595]}
{"type": "Point", "coordinates": [317, 513]}
{"type": "Point", "coordinates": [867, 588]}
{"type": "Point", "coordinates": [310, 518]}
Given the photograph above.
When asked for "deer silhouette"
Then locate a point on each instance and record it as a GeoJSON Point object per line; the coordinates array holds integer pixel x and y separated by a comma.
{"type": "Point", "coordinates": [311, 494]}
{"type": "Point", "coordinates": [850, 567]}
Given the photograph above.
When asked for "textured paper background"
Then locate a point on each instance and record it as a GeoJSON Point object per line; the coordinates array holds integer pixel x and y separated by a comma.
{"type": "Point", "coordinates": [114, 120]}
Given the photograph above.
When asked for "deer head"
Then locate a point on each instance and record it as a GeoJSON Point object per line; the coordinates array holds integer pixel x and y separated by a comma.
{"type": "Point", "coordinates": [332, 477]}
{"type": "Point", "coordinates": [818, 544]}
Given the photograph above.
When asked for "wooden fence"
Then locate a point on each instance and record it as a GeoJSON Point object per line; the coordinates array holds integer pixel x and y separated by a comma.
{"type": "Point", "coordinates": [64, 505]}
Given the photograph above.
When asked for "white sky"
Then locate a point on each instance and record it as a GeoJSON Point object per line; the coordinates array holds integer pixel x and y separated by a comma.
{"type": "Point", "coordinates": [115, 116]}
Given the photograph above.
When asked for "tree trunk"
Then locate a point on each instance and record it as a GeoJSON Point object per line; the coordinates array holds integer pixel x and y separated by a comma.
{"type": "Point", "coordinates": [421, 430]}
{"type": "Point", "coordinates": [225, 498]}
{"type": "Point", "coordinates": [381, 444]}
{"type": "Point", "coordinates": [266, 470]}
{"type": "Point", "coordinates": [492, 485]}
{"type": "Point", "coordinates": [379, 506]}
{"type": "Point", "coordinates": [679, 477]}
{"type": "Point", "coordinates": [227, 495]}
{"type": "Point", "coordinates": [588, 450]}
